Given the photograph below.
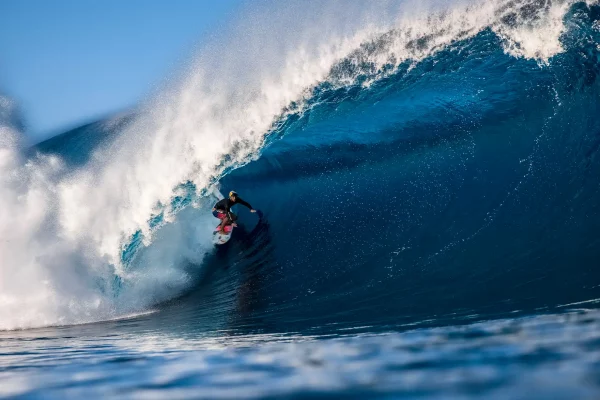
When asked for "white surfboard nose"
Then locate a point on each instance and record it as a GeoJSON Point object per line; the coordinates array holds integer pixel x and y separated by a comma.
{"type": "Point", "coordinates": [221, 238]}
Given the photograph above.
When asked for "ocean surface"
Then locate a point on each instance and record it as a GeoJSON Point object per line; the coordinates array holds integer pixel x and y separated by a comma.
{"type": "Point", "coordinates": [428, 180]}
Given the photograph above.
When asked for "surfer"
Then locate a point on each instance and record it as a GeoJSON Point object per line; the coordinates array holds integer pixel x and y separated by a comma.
{"type": "Point", "coordinates": [222, 209]}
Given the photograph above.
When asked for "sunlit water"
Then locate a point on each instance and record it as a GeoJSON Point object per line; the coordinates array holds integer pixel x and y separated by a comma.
{"type": "Point", "coordinates": [546, 356]}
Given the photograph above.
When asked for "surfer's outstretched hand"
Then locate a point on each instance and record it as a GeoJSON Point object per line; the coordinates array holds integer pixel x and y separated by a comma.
{"type": "Point", "coordinates": [252, 211]}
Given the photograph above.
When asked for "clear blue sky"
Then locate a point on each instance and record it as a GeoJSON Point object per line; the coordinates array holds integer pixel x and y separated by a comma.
{"type": "Point", "coordinates": [67, 62]}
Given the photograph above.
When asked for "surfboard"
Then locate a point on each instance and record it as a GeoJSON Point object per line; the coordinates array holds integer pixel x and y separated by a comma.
{"type": "Point", "coordinates": [221, 238]}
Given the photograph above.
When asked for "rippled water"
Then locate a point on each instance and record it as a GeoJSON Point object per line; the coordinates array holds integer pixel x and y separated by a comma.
{"type": "Point", "coordinates": [545, 356]}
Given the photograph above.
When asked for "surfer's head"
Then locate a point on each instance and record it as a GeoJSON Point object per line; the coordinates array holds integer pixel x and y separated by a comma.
{"type": "Point", "coordinates": [232, 195]}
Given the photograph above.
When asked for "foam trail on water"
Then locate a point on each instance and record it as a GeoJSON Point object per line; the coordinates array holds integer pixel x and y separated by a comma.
{"type": "Point", "coordinates": [63, 231]}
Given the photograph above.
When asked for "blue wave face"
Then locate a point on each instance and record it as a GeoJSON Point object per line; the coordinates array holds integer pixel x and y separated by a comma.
{"type": "Point", "coordinates": [462, 186]}
{"type": "Point", "coordinates": [466, 185]}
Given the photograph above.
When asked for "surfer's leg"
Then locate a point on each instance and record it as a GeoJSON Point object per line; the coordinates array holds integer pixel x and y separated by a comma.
{"type": "Point", "coordinates": [221, 227]}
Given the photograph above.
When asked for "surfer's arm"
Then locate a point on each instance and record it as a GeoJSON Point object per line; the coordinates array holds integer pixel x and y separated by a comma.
{"type": "Point", "coordinates": [245, 203]}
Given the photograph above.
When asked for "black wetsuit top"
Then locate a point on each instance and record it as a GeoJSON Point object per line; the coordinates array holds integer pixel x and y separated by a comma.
{"type": "Point", "coordinates": [226, 204]}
